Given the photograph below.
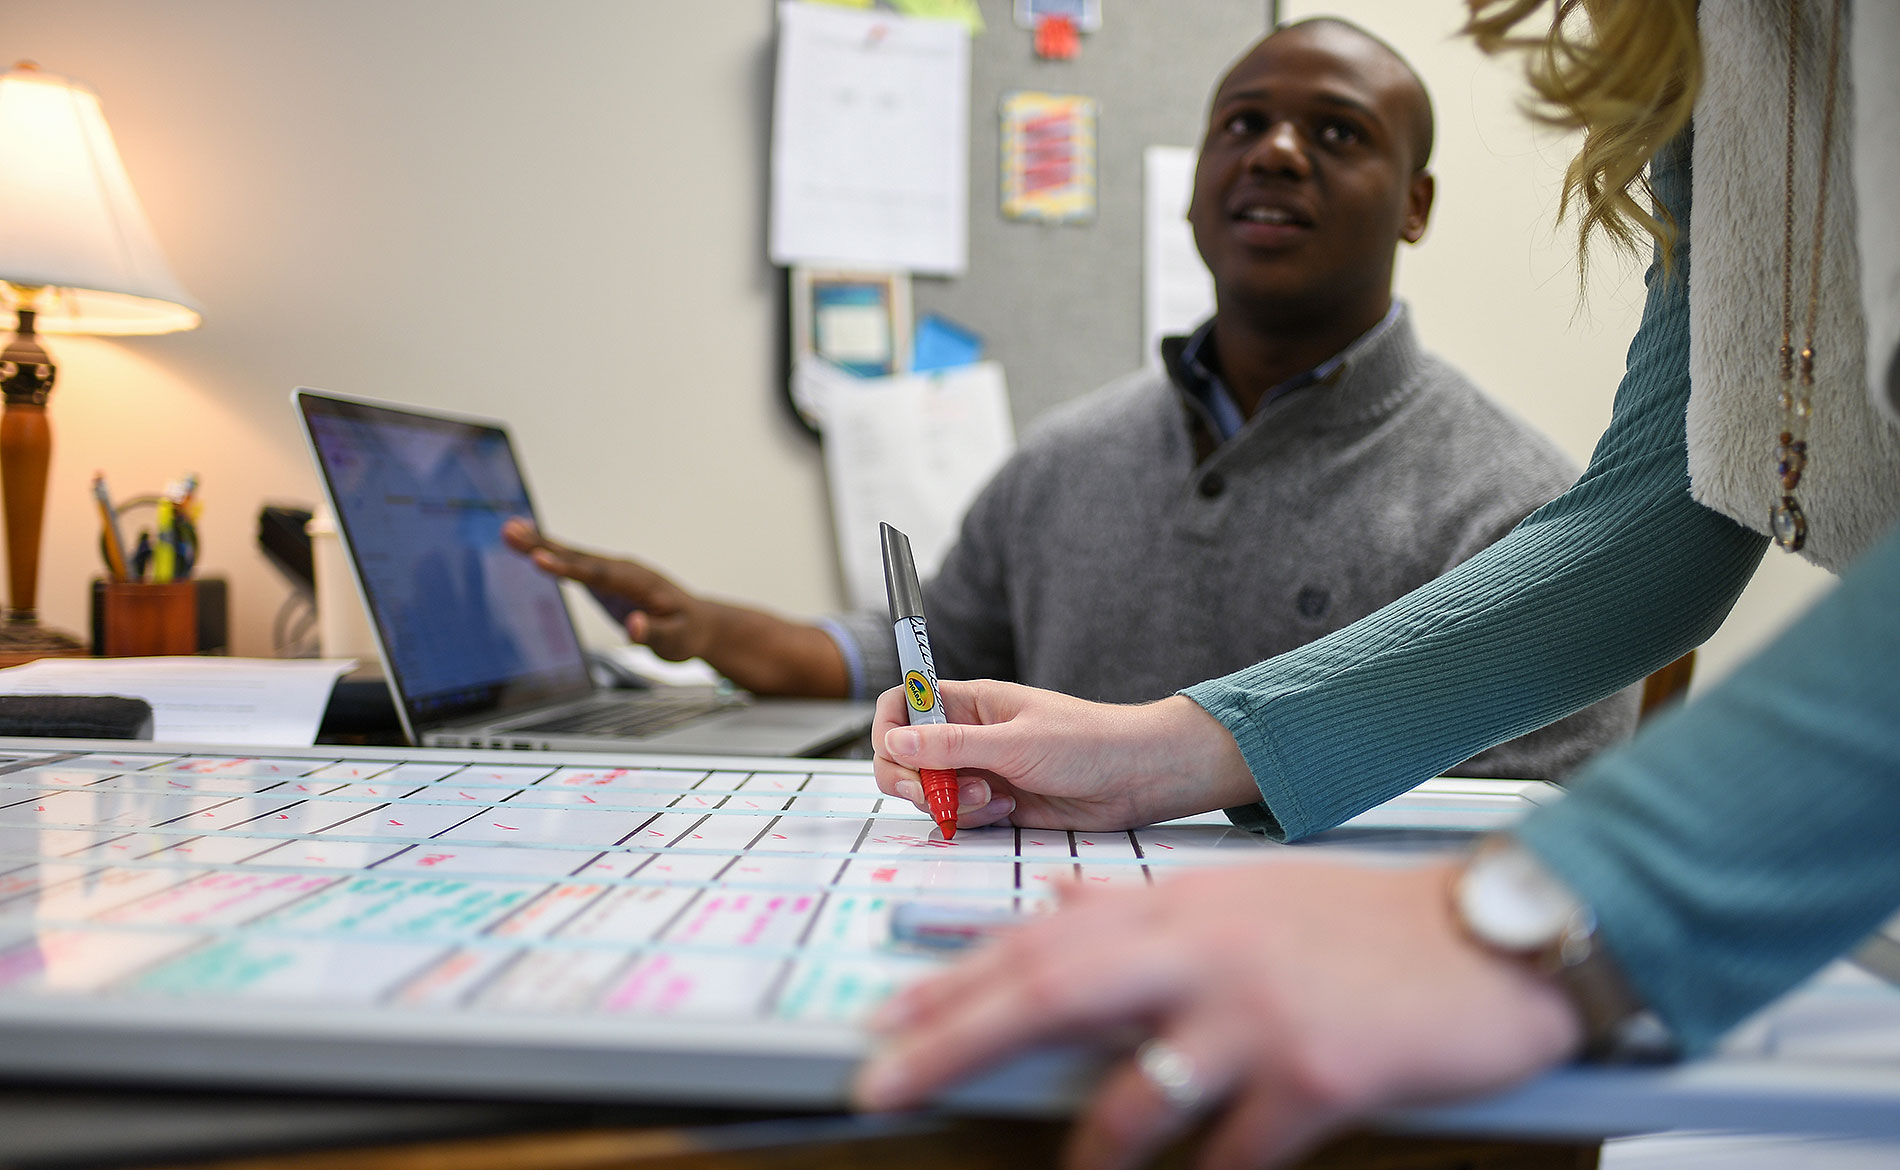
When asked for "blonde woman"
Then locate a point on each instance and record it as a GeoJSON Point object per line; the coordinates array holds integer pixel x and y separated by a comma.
{"type": "Point", "coordinates": [1728, 852]}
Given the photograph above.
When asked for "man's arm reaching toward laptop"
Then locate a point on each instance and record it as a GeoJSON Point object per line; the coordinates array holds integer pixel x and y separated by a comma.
{"type": "Point", "coordinates": [762, 652]}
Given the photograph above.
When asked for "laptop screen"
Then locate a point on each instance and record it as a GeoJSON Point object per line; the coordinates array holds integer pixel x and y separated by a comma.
{"type": "Point", "coordinates": [467, 624]}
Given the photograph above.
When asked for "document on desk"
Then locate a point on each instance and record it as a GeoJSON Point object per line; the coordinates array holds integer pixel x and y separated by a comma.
{"type": "Point", "coordinates": [200, 699]}
{"type": "Point", "coordinates": [870, 141]}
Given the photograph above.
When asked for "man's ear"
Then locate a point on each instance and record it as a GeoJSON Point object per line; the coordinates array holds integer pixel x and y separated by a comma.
{"type": "Point", "coordinates": [1418, 206]}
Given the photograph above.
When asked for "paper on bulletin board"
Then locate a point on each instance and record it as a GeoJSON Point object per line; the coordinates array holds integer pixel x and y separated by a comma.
{"type": "Point", "coordinates": [1087, 14]}
{"type": "Point", "coordinates": [1048, 157]}
{"type": "Point", "coordinates": [964, 12]}
{"type": "Point", "coordinates": [911, 451]}
{"type": "Point", "coordinates": [858, 320]}
{"type": "Point", "coordinates": [1177, 292]}
{"type": "Point", "coordinates": [870, 141]}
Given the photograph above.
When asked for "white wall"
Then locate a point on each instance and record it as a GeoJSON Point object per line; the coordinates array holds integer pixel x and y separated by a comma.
{"type": "Point", "coordinates": [548, 212]}
{"type": "Point", "coordinates": [553, 213]}
{"type": "Point", "coordinates": [1494, 281]}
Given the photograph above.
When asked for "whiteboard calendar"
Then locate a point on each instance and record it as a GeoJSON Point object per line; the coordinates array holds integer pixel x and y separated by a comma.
{"type": "Point", "coordinates": [529, 923]}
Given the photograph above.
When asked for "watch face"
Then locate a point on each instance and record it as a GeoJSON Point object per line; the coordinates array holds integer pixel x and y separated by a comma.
{"type": "Point", "coordinates": [1510, 901]}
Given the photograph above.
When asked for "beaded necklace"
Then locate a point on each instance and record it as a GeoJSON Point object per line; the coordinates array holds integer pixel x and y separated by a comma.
{"type": "Point", "coordinates": [1786, 520]}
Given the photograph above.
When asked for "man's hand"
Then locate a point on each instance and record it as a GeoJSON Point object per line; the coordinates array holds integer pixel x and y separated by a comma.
{"type": "Point", "coordinates": [761, 652]}
{"type": "Point", "coordinates": [1289, 997]}
{"type": "Point", "coordinates": [664, 616]}
{"type": "Point", "coordinates": [1046, 760]}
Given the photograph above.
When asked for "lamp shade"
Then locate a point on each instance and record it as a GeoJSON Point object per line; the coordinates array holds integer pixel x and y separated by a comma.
{"type": "Point", "coordinates": [69, 220]}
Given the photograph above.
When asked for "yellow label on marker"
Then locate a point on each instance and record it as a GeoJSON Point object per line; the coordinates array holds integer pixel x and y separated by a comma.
{"type": "Point", "coordinates": [917, 689]}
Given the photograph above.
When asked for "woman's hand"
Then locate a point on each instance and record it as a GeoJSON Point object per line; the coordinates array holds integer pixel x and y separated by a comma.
{"type": "Point", "coordinates": [1046, 760]}
{"type": "Point", "coordinates": [1286, 998]}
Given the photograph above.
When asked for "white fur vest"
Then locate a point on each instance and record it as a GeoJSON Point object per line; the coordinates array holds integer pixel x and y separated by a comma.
{"type": "Point", "coordinates": [1851, 489]}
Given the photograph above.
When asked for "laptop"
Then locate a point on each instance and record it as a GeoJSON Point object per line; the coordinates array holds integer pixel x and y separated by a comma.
{"type": "Point", "coordinates": [477, 642]}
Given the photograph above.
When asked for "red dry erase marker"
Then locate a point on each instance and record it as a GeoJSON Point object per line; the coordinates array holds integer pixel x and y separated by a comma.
{"type": "Point", "coordinates": [921, 701]}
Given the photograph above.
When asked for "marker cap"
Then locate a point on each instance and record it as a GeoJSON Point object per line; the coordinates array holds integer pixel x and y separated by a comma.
{"type": "Point", "coordinates": [900, 575]}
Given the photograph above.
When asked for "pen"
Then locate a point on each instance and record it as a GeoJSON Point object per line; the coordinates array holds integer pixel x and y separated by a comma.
{"type": "Point", "coordinates": [921, 701]}
{"type": "Point", "coordinates": [141, 556]}
{"type": "Point", "coordinates": [165, 548]}
{"type": "Point", "coordinates": [185, 525]}
{"type": "Point", "coordinates": [177, 550]}
{"type": "Point", "coordinates": [109, 524]}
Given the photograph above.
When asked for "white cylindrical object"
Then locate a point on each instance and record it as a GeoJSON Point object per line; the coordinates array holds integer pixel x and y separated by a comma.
{"type": "Point", "coordinates": [343, 629]}
{"type": "Point", "coordinates": [920, 671]}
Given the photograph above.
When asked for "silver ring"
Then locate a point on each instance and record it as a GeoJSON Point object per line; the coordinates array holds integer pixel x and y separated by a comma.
{"type": "Point", "coordinates": [1171, 1074]}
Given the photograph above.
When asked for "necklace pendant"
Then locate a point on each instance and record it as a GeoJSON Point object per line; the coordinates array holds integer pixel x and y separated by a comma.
{"type": "Point", "coordinates": [1789, 525]}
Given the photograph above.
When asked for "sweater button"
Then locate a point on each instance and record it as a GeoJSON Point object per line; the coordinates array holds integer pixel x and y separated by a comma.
{"type": "Point", "coordinates": [1212, 484]}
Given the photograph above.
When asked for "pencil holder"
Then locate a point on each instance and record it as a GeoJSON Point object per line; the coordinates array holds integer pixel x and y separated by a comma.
{"type": "Point", "coordinates": [145, 619]}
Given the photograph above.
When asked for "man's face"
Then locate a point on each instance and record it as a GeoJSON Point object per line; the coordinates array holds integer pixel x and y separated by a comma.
{"type": "Point", "coordinates": [1307, 178]}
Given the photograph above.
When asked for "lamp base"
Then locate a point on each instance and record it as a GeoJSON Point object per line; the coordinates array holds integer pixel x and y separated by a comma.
{"type": "Point", "coordinates": [23, 639]}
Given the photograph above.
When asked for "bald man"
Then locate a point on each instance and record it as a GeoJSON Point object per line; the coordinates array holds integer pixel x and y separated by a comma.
{"type": "Point", "coordinates": [1296, 462]}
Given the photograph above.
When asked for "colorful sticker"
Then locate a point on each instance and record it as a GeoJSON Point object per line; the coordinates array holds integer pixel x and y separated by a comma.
{"type": "Point", "coordinates": [921, 694]}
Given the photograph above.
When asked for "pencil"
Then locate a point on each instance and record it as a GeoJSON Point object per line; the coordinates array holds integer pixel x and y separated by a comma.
{"type": "Point", "coordinates": [109, 529]}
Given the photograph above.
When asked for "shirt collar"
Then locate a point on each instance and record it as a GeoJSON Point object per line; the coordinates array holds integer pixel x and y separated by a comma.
{"type": "Point", "coordinates": [1203, 380]}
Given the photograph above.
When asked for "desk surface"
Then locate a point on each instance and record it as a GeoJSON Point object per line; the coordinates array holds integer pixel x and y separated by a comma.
{"type": "Point", "coordinates": [41, 1130]}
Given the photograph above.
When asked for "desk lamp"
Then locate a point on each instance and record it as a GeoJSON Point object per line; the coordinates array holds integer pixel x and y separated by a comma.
{"type": "Point", "coordinates": [76, 256]}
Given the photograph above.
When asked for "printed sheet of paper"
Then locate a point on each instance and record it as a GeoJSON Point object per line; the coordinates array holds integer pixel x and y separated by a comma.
{"type": "Point", "coordinates": [911, 451]}
{"type": "Point", "coordinates": [870, 141]}
{"type": "Point", "coordinates": [200, 699]}
{"type": "Point", "coordinates": [1177, 292]}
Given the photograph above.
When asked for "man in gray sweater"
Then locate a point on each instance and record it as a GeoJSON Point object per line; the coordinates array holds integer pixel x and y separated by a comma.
{"type": "Point", "coordinates": [1297, 463]}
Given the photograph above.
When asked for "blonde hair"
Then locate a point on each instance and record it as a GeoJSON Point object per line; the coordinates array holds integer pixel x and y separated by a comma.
{"type": "Point", "coordinates": [1625, 72]}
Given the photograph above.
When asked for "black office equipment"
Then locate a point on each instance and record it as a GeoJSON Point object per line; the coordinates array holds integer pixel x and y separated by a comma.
{"type": "Point", "coordinates": [76, 716]}
{"type": "Point", "coordinates": [281, 534]}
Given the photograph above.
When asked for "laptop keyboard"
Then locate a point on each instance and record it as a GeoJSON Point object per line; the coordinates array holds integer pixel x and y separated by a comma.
{"type": "Point", "coordinates": [633, 719]}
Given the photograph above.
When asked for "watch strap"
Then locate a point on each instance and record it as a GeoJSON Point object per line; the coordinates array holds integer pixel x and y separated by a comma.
{"type": "Point", "coordinates": [1618, 1027]}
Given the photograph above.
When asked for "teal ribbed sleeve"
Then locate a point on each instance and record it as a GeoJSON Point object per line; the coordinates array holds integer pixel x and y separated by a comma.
{"type": "Point", "coordinates": [1611, 580]}
{"type": "Point", "coordinates": [1738, 844]}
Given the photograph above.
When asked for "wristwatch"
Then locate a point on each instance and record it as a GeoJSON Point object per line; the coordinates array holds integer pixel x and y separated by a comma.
{"type": "Point", "coordinates": [1508, 903]}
